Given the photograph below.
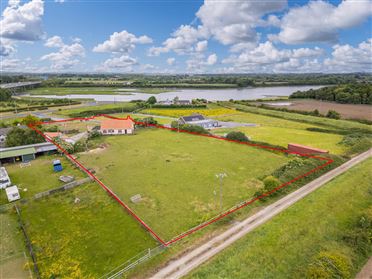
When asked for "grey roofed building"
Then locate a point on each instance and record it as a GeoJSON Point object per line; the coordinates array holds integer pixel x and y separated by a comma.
{"type": "Point", "coordinates": [198, 120]}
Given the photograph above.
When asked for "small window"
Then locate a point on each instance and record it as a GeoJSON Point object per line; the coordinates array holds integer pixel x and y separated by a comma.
{"type": "Point", "coordinates": [104, 131]}
{"type": "Point", "coordinates": [120, 131]}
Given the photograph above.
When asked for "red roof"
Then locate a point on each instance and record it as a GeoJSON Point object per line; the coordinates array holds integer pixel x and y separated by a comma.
{"type": "Point", "coordinates": [52, 135]}
{"type": "Point", "coordinates": [117, 124]}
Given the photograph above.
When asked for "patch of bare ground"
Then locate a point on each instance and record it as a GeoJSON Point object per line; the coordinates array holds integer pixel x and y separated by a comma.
{"type": "Point", "coordinates": [347, 111]}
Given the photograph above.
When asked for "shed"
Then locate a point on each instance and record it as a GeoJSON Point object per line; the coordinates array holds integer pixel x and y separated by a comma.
{"type": "Point", "coordinates": [57, 166]}
{"type": "Point", "coordinates": [26, 154]}
{"type": "Point", "coordinates": [12, 193]}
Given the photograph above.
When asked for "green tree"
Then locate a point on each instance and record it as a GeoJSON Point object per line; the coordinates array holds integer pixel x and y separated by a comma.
{"type": "Point", "coordinates": [18, 136]}
{"type": "Point", "coordinates": [5, 95]}
{"type": "Point", "coordinates": [151, 100]}
{"type": "Point", "coordinates": [30, 120]}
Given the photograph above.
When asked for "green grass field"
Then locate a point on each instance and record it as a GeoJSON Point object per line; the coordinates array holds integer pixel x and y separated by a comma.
{"type": "Point", "coordinates": [84, 239]}
{"type": "Point", "coordinates": [175, 175]}
{"type": "Point", "coordinates": [12, 251]}
{"type": "Point", "coordinates": [279, 131]}
{"type": "Point", "coordinates": [286, 245]}
{"type": "Point", "coordinates": [38, 177]}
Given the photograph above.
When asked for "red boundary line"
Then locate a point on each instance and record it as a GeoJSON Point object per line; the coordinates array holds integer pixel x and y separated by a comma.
{"type": "Point", "coordinates": [215, 219]}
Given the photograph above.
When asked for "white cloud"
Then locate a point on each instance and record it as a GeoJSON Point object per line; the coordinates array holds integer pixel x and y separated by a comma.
{"type": "Point", "coordinates": [6, 47]}
{"type": "Point", "coordinates": [232, 22]}
{"type": "Point", "coordinates": [201, 46]}
{"type": "Point", "coordinates": [212, 59]}
{"type": "Point", "coordinates": [198, 63]}
{"type": "Point", "coordinates": [121, 42]}
{"type": "Point", "coordinates": [346, 58]}
{"type": "Point", "coordinates": [22, 22]}
{"type": "Point", "coordinates": [59, 1]}
{"type": "Point", "coordinates": [66, 57]}
{"type": "Point", "coordinates": [265, 57]}
{"type": "Point", "coordinates": [183, 41]}
{"type": "Point", "coordinates": [320, 21]}
{"type": "Point", "coordinates": [171, 61]}
{"type": "Point", "coordinates": [10, 64]}
{"type": "Point", "coordinates": [123, 62]}
{"type": "Point", "coordinates": [55, 41]}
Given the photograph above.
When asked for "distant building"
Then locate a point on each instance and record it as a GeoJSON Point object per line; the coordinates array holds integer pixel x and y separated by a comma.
{"type": "Point", "coordinates": [302, 149]}
{"type": "Point", "coordinates": [198, 120]}
{"type": "Point", "coordinates": [175, 101]}
{"type": "Point", "coordinates": [117, 127]}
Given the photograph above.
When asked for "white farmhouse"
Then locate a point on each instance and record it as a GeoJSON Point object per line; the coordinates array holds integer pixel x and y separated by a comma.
{"type": "Point", "coordinates": [117, 126]}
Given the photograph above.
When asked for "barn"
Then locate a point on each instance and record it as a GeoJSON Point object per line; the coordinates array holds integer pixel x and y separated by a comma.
{"type": "Point", "coordinates": [117, 127]}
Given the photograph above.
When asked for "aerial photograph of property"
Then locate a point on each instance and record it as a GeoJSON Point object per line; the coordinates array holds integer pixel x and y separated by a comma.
{"type": "Point", "coordinates": [201, 139]}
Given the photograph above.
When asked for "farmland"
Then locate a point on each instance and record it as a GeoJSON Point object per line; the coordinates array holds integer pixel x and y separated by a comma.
{"type": "Point", "coordinates": [74, 233]}
{"type": "Point", "coordinates": [288, 245]}
{"type": "Point", "coordinates": [164, 167]}
{"type": "Point", "coordinates": [347, 111]}
{"type": "Point", "coordinates": [90, 90]}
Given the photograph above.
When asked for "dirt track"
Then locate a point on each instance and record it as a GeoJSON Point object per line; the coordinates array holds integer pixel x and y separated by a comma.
{"type": "Point", "coordinates": [182, 266]}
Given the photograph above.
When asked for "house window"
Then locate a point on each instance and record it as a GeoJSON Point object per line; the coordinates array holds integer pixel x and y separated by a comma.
{"type": "Point", "coordinates": [120, 131]}
{"type": "Point", "coordinates": [104, 131]}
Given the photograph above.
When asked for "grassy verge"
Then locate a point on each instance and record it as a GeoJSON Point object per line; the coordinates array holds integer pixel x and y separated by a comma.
{"type": "Point", "coordinates": [82, 233]}
{"type": "Point", "coordinates": [290, 244]}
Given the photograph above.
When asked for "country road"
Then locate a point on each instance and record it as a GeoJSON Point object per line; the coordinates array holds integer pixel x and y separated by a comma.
{"type": "Point", "coordinates": [191, 260]}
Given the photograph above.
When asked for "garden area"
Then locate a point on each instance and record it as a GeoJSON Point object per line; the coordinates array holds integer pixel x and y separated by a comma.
{"type": "Point", "coordinates": [39, 176]}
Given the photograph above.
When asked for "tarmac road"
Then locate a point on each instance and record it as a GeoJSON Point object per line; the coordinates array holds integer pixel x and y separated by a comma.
{"type": "Point", "coordinates": [177, 268]}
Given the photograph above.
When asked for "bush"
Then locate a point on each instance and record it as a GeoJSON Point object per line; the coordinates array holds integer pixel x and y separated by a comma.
{"type": "Point", "coordinates": [270, 183]}
{"type": "Point", "coordinates": [329, 265]}
{"type": "Point", "coordinates": [151, 100]}
{"type": "Point", "coordinates": [237, 136]}
{"type": "Point", "coordinates": [93, 134]}
{"type": "Point", "coordinates": [333, 114]}
{"type": "Point", "coordinates": [18, 136]}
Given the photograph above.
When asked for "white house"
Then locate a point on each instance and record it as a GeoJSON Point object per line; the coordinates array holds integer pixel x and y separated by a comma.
{"type": "Point", "coordinates": [117, 127]}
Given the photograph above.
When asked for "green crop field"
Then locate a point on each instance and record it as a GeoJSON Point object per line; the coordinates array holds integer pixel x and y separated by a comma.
{"type": "Point", "coordinates": [39, 176]}
{"type": "Point", "coordinates": [175, 175]}
{"type": "Point", "coordinates": [84, 238]}
{"type": "Point", "coordinates": [287, 245]}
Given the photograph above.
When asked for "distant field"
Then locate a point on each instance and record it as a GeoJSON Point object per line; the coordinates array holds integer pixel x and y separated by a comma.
{"type": "Point", "coordinates": [346, 110]}
{"type": "Point", "coordinates": [175, 175]}
{"type": "Point", "coordinates": [175, 112]}
{"type": "Point", "coordinates": [85, 238]}
{"type": "Point", "coordinates": [101, 109]}
{"type": "Point", "coordinates": [30, 179]}
{"type": "Point", "coordinates": [90, 90]}
{"type": "Point", "coordinates": [286, 245]}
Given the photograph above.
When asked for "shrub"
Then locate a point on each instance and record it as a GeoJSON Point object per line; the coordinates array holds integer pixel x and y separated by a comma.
{"type": "Point", "coordinates": [270, 183]}
{"type": "Point", "coordinates": [333, 114]}
{"type": "Point", "coordinates": [329, 265]}
{"type": "Point", "coordinates": [237, 136]}
{"type": "Point", "coordinates": [151, 100]}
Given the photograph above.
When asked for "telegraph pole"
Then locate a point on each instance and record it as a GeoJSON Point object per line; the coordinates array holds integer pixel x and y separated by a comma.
{"type": "Point", "coordinates": [221, 176]}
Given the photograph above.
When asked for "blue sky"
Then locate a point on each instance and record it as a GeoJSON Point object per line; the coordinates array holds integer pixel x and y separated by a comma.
{"type": "Point", "coordinates": [186, 36]}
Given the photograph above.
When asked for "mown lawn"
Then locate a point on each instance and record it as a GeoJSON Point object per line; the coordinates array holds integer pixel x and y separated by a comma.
{"type": "Point", "coordinates": [285, 246]}
{"type": "Point", "coordinates": [279, 131]}
{"type": "Point", "coordinates": [175, 175]}
{"type": "Point", "coordinates": [85, 238]}
{"type": "Point", "coordinates": [39, 177]}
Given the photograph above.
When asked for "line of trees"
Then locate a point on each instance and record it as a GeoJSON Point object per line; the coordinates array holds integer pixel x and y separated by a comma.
{"type": "Point", "coordinates": [344, 94]}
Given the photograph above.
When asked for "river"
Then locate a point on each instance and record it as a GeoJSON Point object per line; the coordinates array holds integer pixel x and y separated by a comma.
{"type": "Point", "coordinates": [249, 93]}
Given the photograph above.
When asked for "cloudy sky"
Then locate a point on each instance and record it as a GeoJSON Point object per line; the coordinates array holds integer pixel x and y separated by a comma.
{"type": "Point", "coordinates": [180, 36]}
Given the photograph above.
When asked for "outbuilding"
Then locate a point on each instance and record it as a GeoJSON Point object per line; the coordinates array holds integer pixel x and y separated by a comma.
{"type": "Point", "coordinates": [12, 193]}
{"type": "Point", "coordinates": [198, 120]}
